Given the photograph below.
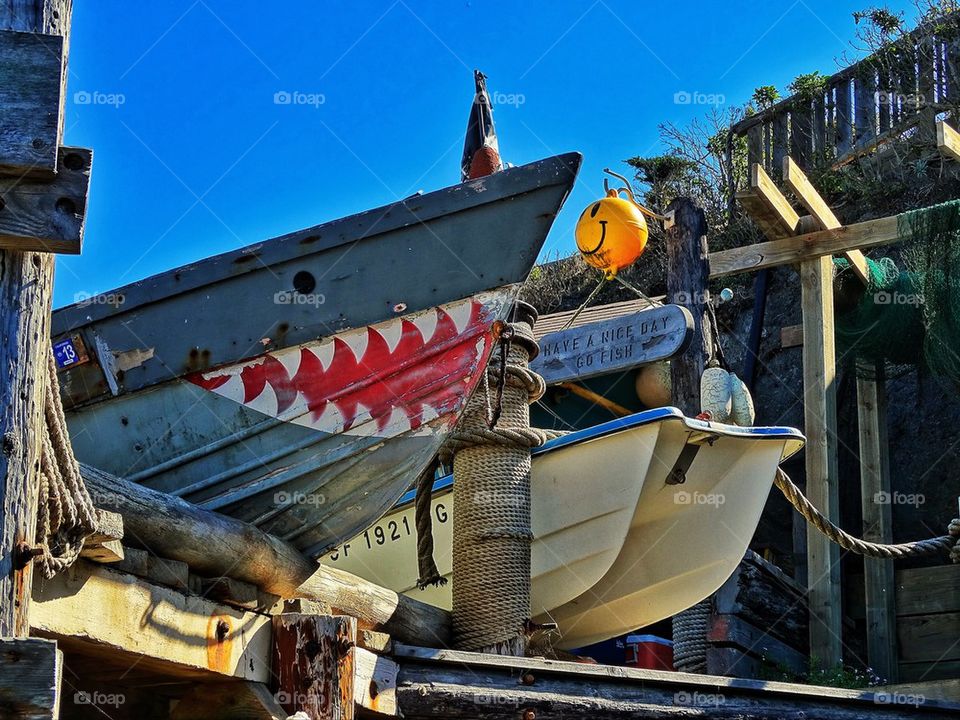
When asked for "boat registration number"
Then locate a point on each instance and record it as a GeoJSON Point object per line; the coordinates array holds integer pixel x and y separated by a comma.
{"type": "Point", "coordinates": [69, 351]}
{"type": "Point", "coordinates": [388, 531]}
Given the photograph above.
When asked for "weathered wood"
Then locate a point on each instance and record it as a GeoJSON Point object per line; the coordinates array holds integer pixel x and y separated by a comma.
{"type": "Point", "coordinates": [134, 561]}
{"type": "Point", "coordinates": [26, 284]}
{"type": "Point", "coordinates": [31, 670]}
{"type": "Point", "coordinates": [795, 249]}
{"type": "Point", "coordinates": [613, 345]}
{"type": "Point", "coordinates": [948, 140]}
{"type": "Point", "coordinates": [375, 642]}
{"type": "Point", "coordinates": [687, 272]}
{"type": "Point", "coordinates": [313, 666]}
{"type": "Point", "coordinates": [30, 127]}
{"type": "Point", "coordinates": [208, 543]}
{"type": "Point", "coordinates": [808, 196]}
{"type": "Point", "coordinates": [450, 684]}
{"type": "Point", "coordinates": [374, 682]}
{"type": "Point", "coordinates": [929, 638]}
{"type": "Point", "coordinates": [877, 525]}
{"type": "Point", "coordinates": [731, 630]}
{"type": "Point", "coordinates": [791, 336]}
{"type": "Point", "coordinates": [108, 551]}
{"type": "Point", "coordinates": [97, 611]}
{"type": "Point", "coordinates": [104, 545]}
{"type": "Point", "coordinates": [230, 591]}
{"type": "Point", "coordinates": [922, 591]}
{"type": "Point", "coordinates": [47, 217]}
{"type": "Point", "coordinates": [843, 139]}
{"type": "Point", "coordinates": [169, 572]}
{"type": "Point", "coordinates": [822, 483]}
{"type": "Point", "coordinates": [923, 671]}
{"type": "Point", "coordinates": [242, 700]}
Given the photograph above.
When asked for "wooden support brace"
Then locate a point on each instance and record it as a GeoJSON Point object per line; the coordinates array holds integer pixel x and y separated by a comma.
{"type": "Point", "coordinates": [948, 140]}
{"type": "Point", "coordinates": [104, 545]}
{"type": "Point", "coordinates": [47, 217]}
{"type": "Point", "coordinates": [32, 66]}
{"type": "Point", "coordinates": [228, 701]}
{"type": "Point", "coordinates": [767, 206]}
{"type": "Point", "coordinates": [808, 196]}
{"type": "Point", "coordinates": [31, 670]}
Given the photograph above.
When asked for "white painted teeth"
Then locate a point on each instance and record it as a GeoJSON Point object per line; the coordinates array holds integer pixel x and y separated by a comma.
{"type": "Point", "coordinates": [460, 314]}
{"type": "Point", "coordinates": [323, 353]}
{"type": "Point", "coordinates": [357, 341]}
{"type": "Point", "coordinates": [426, 323]}
{"type": "Point", "coordinates": [290, 359]}
{"type": "Point", "coordinates": [391, 333]}
{"type": "Point", "coordinates": [266, 401]}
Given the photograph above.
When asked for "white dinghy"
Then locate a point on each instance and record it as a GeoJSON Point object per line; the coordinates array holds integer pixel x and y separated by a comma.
{"type": "Point", "coordinates": [634, 520]}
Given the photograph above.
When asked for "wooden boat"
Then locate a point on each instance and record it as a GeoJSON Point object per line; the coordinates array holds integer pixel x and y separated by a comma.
{"type": "Point", "coordinates": [301, 384]}
{"type": "Point", "coordinates": [634, 520]}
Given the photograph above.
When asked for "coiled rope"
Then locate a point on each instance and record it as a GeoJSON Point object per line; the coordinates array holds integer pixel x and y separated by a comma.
{"type": "Point", "coordinates": [690, 637]}
{"type": "Point", "coordinates": [65, 515]}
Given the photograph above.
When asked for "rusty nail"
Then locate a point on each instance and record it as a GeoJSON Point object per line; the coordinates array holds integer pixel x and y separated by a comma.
{"type": "Point", "coordinates": [528, 679]}
{"type": "Point", "coordinates": [23, 554]}
{"type": "Point", "coordinates": [222, 630]}
{"type": "Point", "coordinates": [529, 714]}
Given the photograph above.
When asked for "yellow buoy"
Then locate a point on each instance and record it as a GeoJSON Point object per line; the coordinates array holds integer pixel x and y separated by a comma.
{"type": "Point", "coordinates": [611, 234]}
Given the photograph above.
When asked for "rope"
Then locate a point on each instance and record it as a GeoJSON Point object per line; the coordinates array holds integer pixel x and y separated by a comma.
{"type": "Point", "coordinates": [491, 510]}
{"type": "Point", "coordinates": [429, 572]}
{"type": "Point", "coordinates": [949, 543]}
{"type": "Point", "coordinates": [690, 637]}
{"type": "Point", "coordinates": [65, 515]}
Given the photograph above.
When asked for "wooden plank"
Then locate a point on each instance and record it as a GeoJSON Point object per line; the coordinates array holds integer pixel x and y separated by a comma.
{"type": "Point", "coordinates": [877, 525]}
{"type": "Point", "coordinates": [822, 483]}
{"type": "Point", "coordinates": [26, 284]}
{"type": "Point", "coordinates": [922, 591]}
{"type": "Point", "coordinates": [781, 141]}
{"type": "Point", "coordinates": [451, 684]}
{"type": "Point", "coordinates": [31, 671]}
{"type": "Point", "coordinates": [228, 701]}
{"type": "Point", "coordinates": [96, 611]}
{"type": "Point", "coordinates": [230, 591]}
{"type": "Point", "coordinates": [865, 109]}
{"type": "Point", "coordinates": [792, 250]}
{"type": "Point", "coordinates": [165, 571]}
{"type": "Point", "coordinates": [844, 117]}
{"type": "Point", "coordinates": [734, 631]}
{"type": "Point", "coordinates": [374, 682]}
{"type": "Point", "coordinates": [937, 689]}
{"type": "Point", "coordinates": [791, 336]}
{"type": "Point", "coordinates": [808, 196]}
{"type": "Point", "coordinates": [613, 345]}
{"type": "Point", "coordinates": [104, 545]}
{"type": "Point", "coordinates": [208, 543]}
{"type": "Point", "coordinates": [777, 210]}
{"type": "Point", "coordinates": [687, 274]}
{"type": "Point", "coordinates": [948, 140]}
{"type": "Point", "coordinates": [755, 144]}
{"type": "Point", "coordinates": [375, 642]}
{"type": "Point", "coordinates": [313, 666]}
{"type": "Point", "coordinates": [47, 217]}
{"type": "Point", "coordinates": [926, 671]}
{"type": "Point", "coordinates": [802, 133]}
{"type": "Point", "coordinates": [929, 637]}
{"type": "Point", "coordinates": [30, 126]}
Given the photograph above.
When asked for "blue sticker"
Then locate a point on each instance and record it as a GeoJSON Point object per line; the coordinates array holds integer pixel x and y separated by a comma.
{"type": "Point", "coordinates": [65, 353]}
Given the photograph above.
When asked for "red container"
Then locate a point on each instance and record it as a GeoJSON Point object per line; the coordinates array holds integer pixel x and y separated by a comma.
{"type": "Point", "coordinates": [649, 652]}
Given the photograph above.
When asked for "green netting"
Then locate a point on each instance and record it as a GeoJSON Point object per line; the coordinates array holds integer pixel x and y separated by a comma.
{"type": "Point", "coordinates": [911, 316]}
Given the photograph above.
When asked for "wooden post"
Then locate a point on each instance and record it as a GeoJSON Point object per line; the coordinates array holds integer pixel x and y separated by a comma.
{"type": "Point", "coordinates": [688, 270]}
{"type": "Point", "coordinates": [31, 670]}
{"type": "Point", "coordinates": [26, 282]}
{"type": "Point", "coordinates": [877, 525]}
{"type": "Point", "coordinates": [820, 423]}
{"type": "Point", "coordinates": [313, 665]}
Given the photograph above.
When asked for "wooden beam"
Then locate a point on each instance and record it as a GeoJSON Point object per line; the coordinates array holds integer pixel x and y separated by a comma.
{"type": "Point", "coordinates": [791, 336]}
{"type": "Point", "coordinates": [208, 543]}
{"type": "Point", "coordinates": [875, 505]}
{"type": "Point", "coordinates": [374, 682]}
{"type": "Point", "coordinates": [767, 206]}
{"type": "Point", "coordinates": [96, 611]}
{"type": "Point", "coordinates": [47, 217]}
{"type": "Point", "coordinates": [687, 273]}
{"type": "Point", "coordinates": [808, 196]}
{"type": "Point", "coordinates": [26, 286]}
{"type": "Point", "coordinates": [228, 701]}
{"type": "Point", "coordinates": [30, 127]}
{"type": "Point", "coordinates": [615, 409]}
{"type": "Point", "coordinates": [820, 454]}
{"type": "Point", "coordinates": [312, 664]}
{"type": "Point", "coordinates": [451, 684]}
{"type": "Point", "coordinates": [796, 249]}
{"type": "Point", "coordinates": [948, 140]}
{"type": "Point", "coordinates": [31, 671]}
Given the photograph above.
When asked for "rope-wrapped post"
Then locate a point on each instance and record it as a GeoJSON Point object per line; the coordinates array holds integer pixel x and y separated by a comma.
{"type": "Point", "coordinates": [491, 513]}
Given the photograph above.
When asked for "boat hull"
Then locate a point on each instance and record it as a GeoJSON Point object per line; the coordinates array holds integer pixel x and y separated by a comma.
{"type": "Point", "coordinates": [616, 547]}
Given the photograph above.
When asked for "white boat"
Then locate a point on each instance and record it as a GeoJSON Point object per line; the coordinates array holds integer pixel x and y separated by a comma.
{"type": "Point", "coordinates": [634, 520]}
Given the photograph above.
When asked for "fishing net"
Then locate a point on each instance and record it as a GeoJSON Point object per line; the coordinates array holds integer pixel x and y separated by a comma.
{"type": "Point", "coordinates": [908, 316]}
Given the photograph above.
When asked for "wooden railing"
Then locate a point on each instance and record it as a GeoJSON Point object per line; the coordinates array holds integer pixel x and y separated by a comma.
{"type": "Point", "coordinates": [864, 105]}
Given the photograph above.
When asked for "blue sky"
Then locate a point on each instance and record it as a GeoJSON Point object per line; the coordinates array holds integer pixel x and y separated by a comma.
{"type": "Point", "coordinates": [193, 157]}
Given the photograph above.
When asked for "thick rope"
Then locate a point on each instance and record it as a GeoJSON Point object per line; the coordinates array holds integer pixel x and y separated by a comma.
{"type": "Point", "coordinates": [949, 543]}
{"type": "Point", "coordinates": [690, 637]}
{"type": "Point", "coordinates": [429, 574]}
{"type": "Point", "coordinates": [65, 514]}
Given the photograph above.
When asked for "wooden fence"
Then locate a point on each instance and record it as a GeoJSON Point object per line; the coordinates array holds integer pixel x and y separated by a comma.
{"type": "Point", "coordinates": [864, 105]}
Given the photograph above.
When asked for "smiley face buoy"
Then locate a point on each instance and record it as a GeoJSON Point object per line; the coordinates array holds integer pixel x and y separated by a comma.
{"type": "Point", "coordinates": [611, 234]}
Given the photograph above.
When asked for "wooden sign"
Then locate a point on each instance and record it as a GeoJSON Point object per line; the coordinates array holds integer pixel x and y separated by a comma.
{"type": "Point", "coordinates": [613, 345]}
